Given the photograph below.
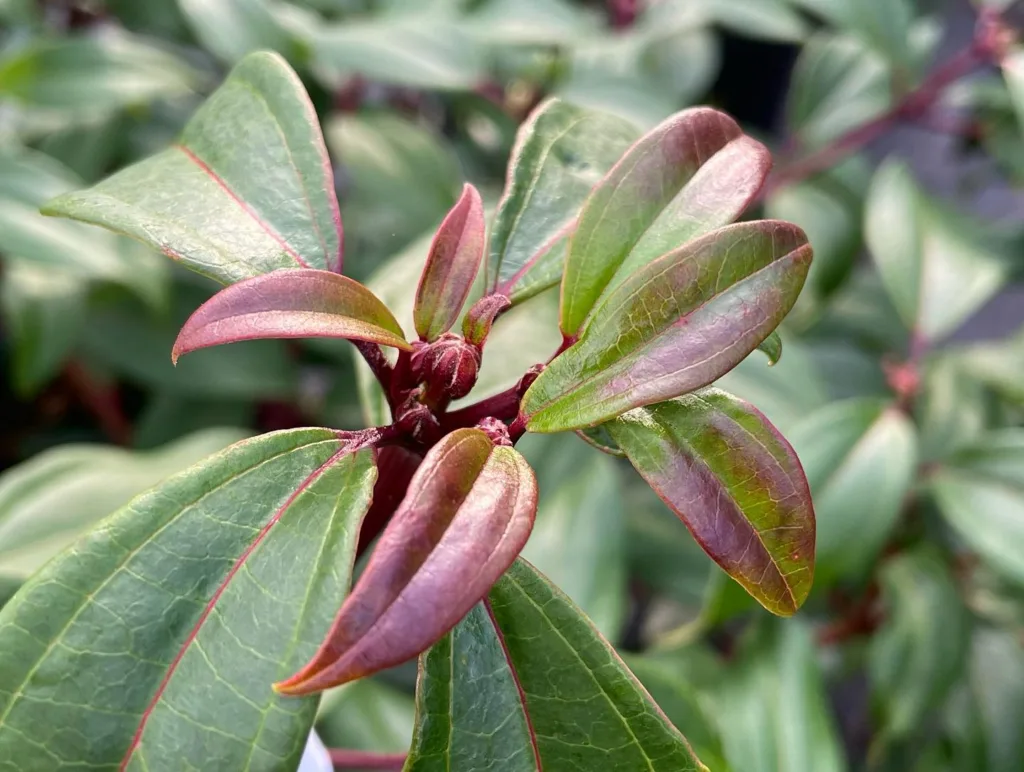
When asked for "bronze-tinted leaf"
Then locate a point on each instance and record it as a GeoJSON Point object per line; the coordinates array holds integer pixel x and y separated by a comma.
{"type": "Point", "coordinates": [302, 303]}
{"type": "Point", "coordinates": [467, 514]}
{"type": "Point", "coordinates": [736, 484]}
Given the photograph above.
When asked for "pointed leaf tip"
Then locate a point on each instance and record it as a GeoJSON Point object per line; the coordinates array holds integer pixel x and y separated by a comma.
{"type": "Point", "coordinates": [300, 303]}
{"type": "Point", "coordinates": [468, 512]}
{"type": "Point", "coordinates": [736, 483]}
{"type": "Point", "coordinates": [452, 264]}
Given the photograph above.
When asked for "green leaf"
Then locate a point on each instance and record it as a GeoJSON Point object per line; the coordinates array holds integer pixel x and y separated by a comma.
{"type": "Point", "coordinates": [694, 173]}
{"type": "Point", "coordinates": [673, 326]}
{"type": "Point", "coordinates": [529, 22]}
{"type": "Point", "coordinates": [838, 83]}
{"type": "Point", "coordinates": [43, 311]}
{"type": "Point", "coordinates": [81, 79]}
{"type": "Point", "coordinates": [525, 683]}
{"type": "Point", "coordinates": [980, 492]}
{"type": "Point", "coordinates": [938, 266]}
{"type": "Point", "coordinates": [952, 408]}
{"type": "Point", "coordinates": [247, 189]}
{"type": "Point", "coordinates": [772, 347]}
{"type": "Point", "coordinates": [999, 365]}
{"type": "Point", "coordinates": [53, 498]}
{"type": "Point", "coordinates": [736, 484]}
{"type": "Point", "coordinates": [27, 180]}
{"type": "Point", "coordinates": [771, 20]}
{"type": "Point", "coordinates": [772, 710]}
{"type": "Point", "coordinates": [918, 653]}
{"type": "Point", "coordinates": [577, 539]}
{"type": "Point", "coordinates": [417, 49]}
{"type": "Point", "coordinates": [860, 457]}
{"type": "Point", "coordinates": [561, 152]}
{"type": "Point", "coordinates": [1013, 71]}
{"type": "Point", "coordinates": [366, 715]}
{"type": "Point", "coordinates": [452, 264]}
{"type": "Point", "coordinates": [158, 635]}
{"type": "Point", "coordinates": [233, 28]}
{"type": "Point", "coordinates": [997, 682]}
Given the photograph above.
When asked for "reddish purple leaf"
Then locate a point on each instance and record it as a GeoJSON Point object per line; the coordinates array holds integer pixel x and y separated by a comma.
{"type": "Point", "coordinates": [452, 265]}
{"type": "Point", "coordinates": [737, 485]}
{"type": "Point", "coordinates": [694, 173]}
{"type": "Point", "coordinates": [302, 303]}
{"type": "Point", "coordinates": [467, 514]}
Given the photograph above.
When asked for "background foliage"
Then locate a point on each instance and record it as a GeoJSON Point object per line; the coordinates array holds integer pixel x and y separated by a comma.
{"type": "Point", "coordinates": [910, 653]}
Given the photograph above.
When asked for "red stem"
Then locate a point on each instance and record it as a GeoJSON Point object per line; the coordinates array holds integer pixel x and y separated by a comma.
{"type": "Point", "coordinates": [503, 406]}
{"type": "Point", "coordinates": [102, 401]}
{"type": "Point", "coordinates": [346, 759]}
{"type": "Point", "coordinates": [378, 363]}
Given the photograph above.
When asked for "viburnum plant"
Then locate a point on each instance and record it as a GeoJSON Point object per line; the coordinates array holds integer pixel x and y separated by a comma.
{"type": "Point", "coordinates": [185, 630]}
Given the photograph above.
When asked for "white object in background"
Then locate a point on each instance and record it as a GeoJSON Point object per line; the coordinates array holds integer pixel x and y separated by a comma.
{"type": "Point", "coordinates": [315, 758]}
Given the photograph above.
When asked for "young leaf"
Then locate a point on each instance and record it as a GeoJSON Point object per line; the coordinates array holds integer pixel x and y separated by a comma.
{"type": "Point", "coordinates": [980, 492]}
{"type": "Point", "coordinates": [919, 652]}
{"type": "Point", "coordinates": [159, 634]}
{"type": "Point", "coordinates": [859, 456]}
{"type": "Point", "coordinates": [694, 173]}
{"type": "Point", "coordinates": [248, 188]}
{"type": "Point", "coordinates": [675, 325]}
{"type": "Point", "coordinates": [772, 347]}
{"type": "Point", "coordinates": [466, 516]}
{"type": "Point", "coordinates": [488, 695]}
{"type": "Point", "coordinates": [938, 266]}
{"type": "Point", "coordinates": [561, 152]}
{"type": "Point", "coordinates": [736, 484]}
{"type": "Point", "coordinates": [303, 303]}
{"type": "Point", "coordinates": [452, 264]}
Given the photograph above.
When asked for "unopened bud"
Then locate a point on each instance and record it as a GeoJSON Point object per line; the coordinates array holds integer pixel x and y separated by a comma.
{"type": "Point", "coordinates": [450, 365]}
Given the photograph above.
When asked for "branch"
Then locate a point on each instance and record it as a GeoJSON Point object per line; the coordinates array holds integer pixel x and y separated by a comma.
{"type": "Point", "coordinates": [378, 363]}
{"type": "Point", "coordinates": [503, 406]}
{"type": "Point", "coordinates": [346, 759]}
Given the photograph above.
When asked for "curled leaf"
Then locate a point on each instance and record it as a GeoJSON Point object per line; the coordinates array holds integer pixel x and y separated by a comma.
{"type": "Point", "coordinates": [302, 303]}
{"type": "Point", "coordinates": [694, 173]}
{"type": "Point", "coordinates": [772, 348]}
{"type": "Point", "coordinates": [736, 484]}
{"type": "Point", "coordinates": [452, 265]}
{"type": "Point", "coordinates": [677, 324]}
{"type": "Point", "coordinates": [467, 514]}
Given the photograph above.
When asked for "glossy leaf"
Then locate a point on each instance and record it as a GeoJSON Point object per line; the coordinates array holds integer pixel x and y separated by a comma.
{"type": "Point", "coordinates": [467, 513]}
{"type": "Point", "coordinates": [736, 484]}
{"type": "Point", "coordinates": [561, 152]}
{"type": "Point", "coordinates": [980, 491]}
{"type": "Point", "coordinates": [290, 304]}
{"type": "Point", "coordinates": [860, 457]}
{"type": "Point", "coordinates": [675, 325]}
{"type": "Point", "coordinates": [248, 188]}
{"type": "Point", "coordinates": [694, 173]}
{"type": "Point", "coordinates": [159, 634]}
{"type": "Point", "coordinates": [525, 683]}
{"type": "Point", "coordinates": [42, 311]}
{"type": "Point", "coordinates": [53, 498]}
{"type": "Point", "coordinates": [578, 538]}
{"type": "Point", "coordinates": [938, 266]}
{"type": "Point", "coordinates": [452, 265]}
{"type": "Point", "coordinates": [772, 708]}
{"type": "Point", "coordinates": [919, 652]}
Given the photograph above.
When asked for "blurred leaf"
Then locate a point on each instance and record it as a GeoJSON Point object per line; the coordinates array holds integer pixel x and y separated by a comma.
{"type": "Point", "coordinates": [248, 189]}
{"type": "Point", "coordinates": [860, 457]}
{"type": "Point", "coordinates": [47, 502]}
{"type": "Point", "coordinates": [980, 492]}
{"type": "Point", "coordinates": [1013, 72]}
{"type": "Point", "coordinates": [133, 655]}
{"type": "Point", "coordinates": [43, 311]}
{"type": "Point", "coordinates": [529, 22]}
{"type": "Point", "coordinates": [168, 415]}
{"type": "Point", "coordinates": [938, 266]}
{"type": "Point", "coordinates": [952, 408]}
{"type": "Point", "coordinates": [81, 79]}
{"type": "Point", "coordinates": [157, 17]}
{"type": "Point", "coordinates": [8, 587]}
{"type": "Point", "coordinates": [997, 683]}
{"type": "Point", "coordinates": [861, 313]}
{"type": "Point", "coordinates": [399, 179]}
{"type": "Point", "coordinates": [122, 337]}
{"type": "Point", "coordinates": [418, 49]}
{"type": "Point", "coordinates": [487, 699]}
{"type": "Point", "coordinates": [694, 173]}
{"type": "Point", "coordinates": [998, 364]}
{"type": "Point", "coordinates": [233, 28]}
{"type": "Point", "coordinates": [771, 707]}
{"type": "Point", "coordinates": [561, 152]}
{"type": "Point", "coordinates": [366, 715]}
{"type": "Point", "coordinates": [578, 538]}
{"type": "Point", "coordinates": [639, 350]}
{"type": "Point", "coordinates": [772, 20]}
{"type": "Point", "coordinates": [919, 651]}
{"type": "Point", "coordinates": [735, 483]}
{"type": "Point", "coordinates": [838, 83]}
{"type": "Point", "coordinates": [27, 180]}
